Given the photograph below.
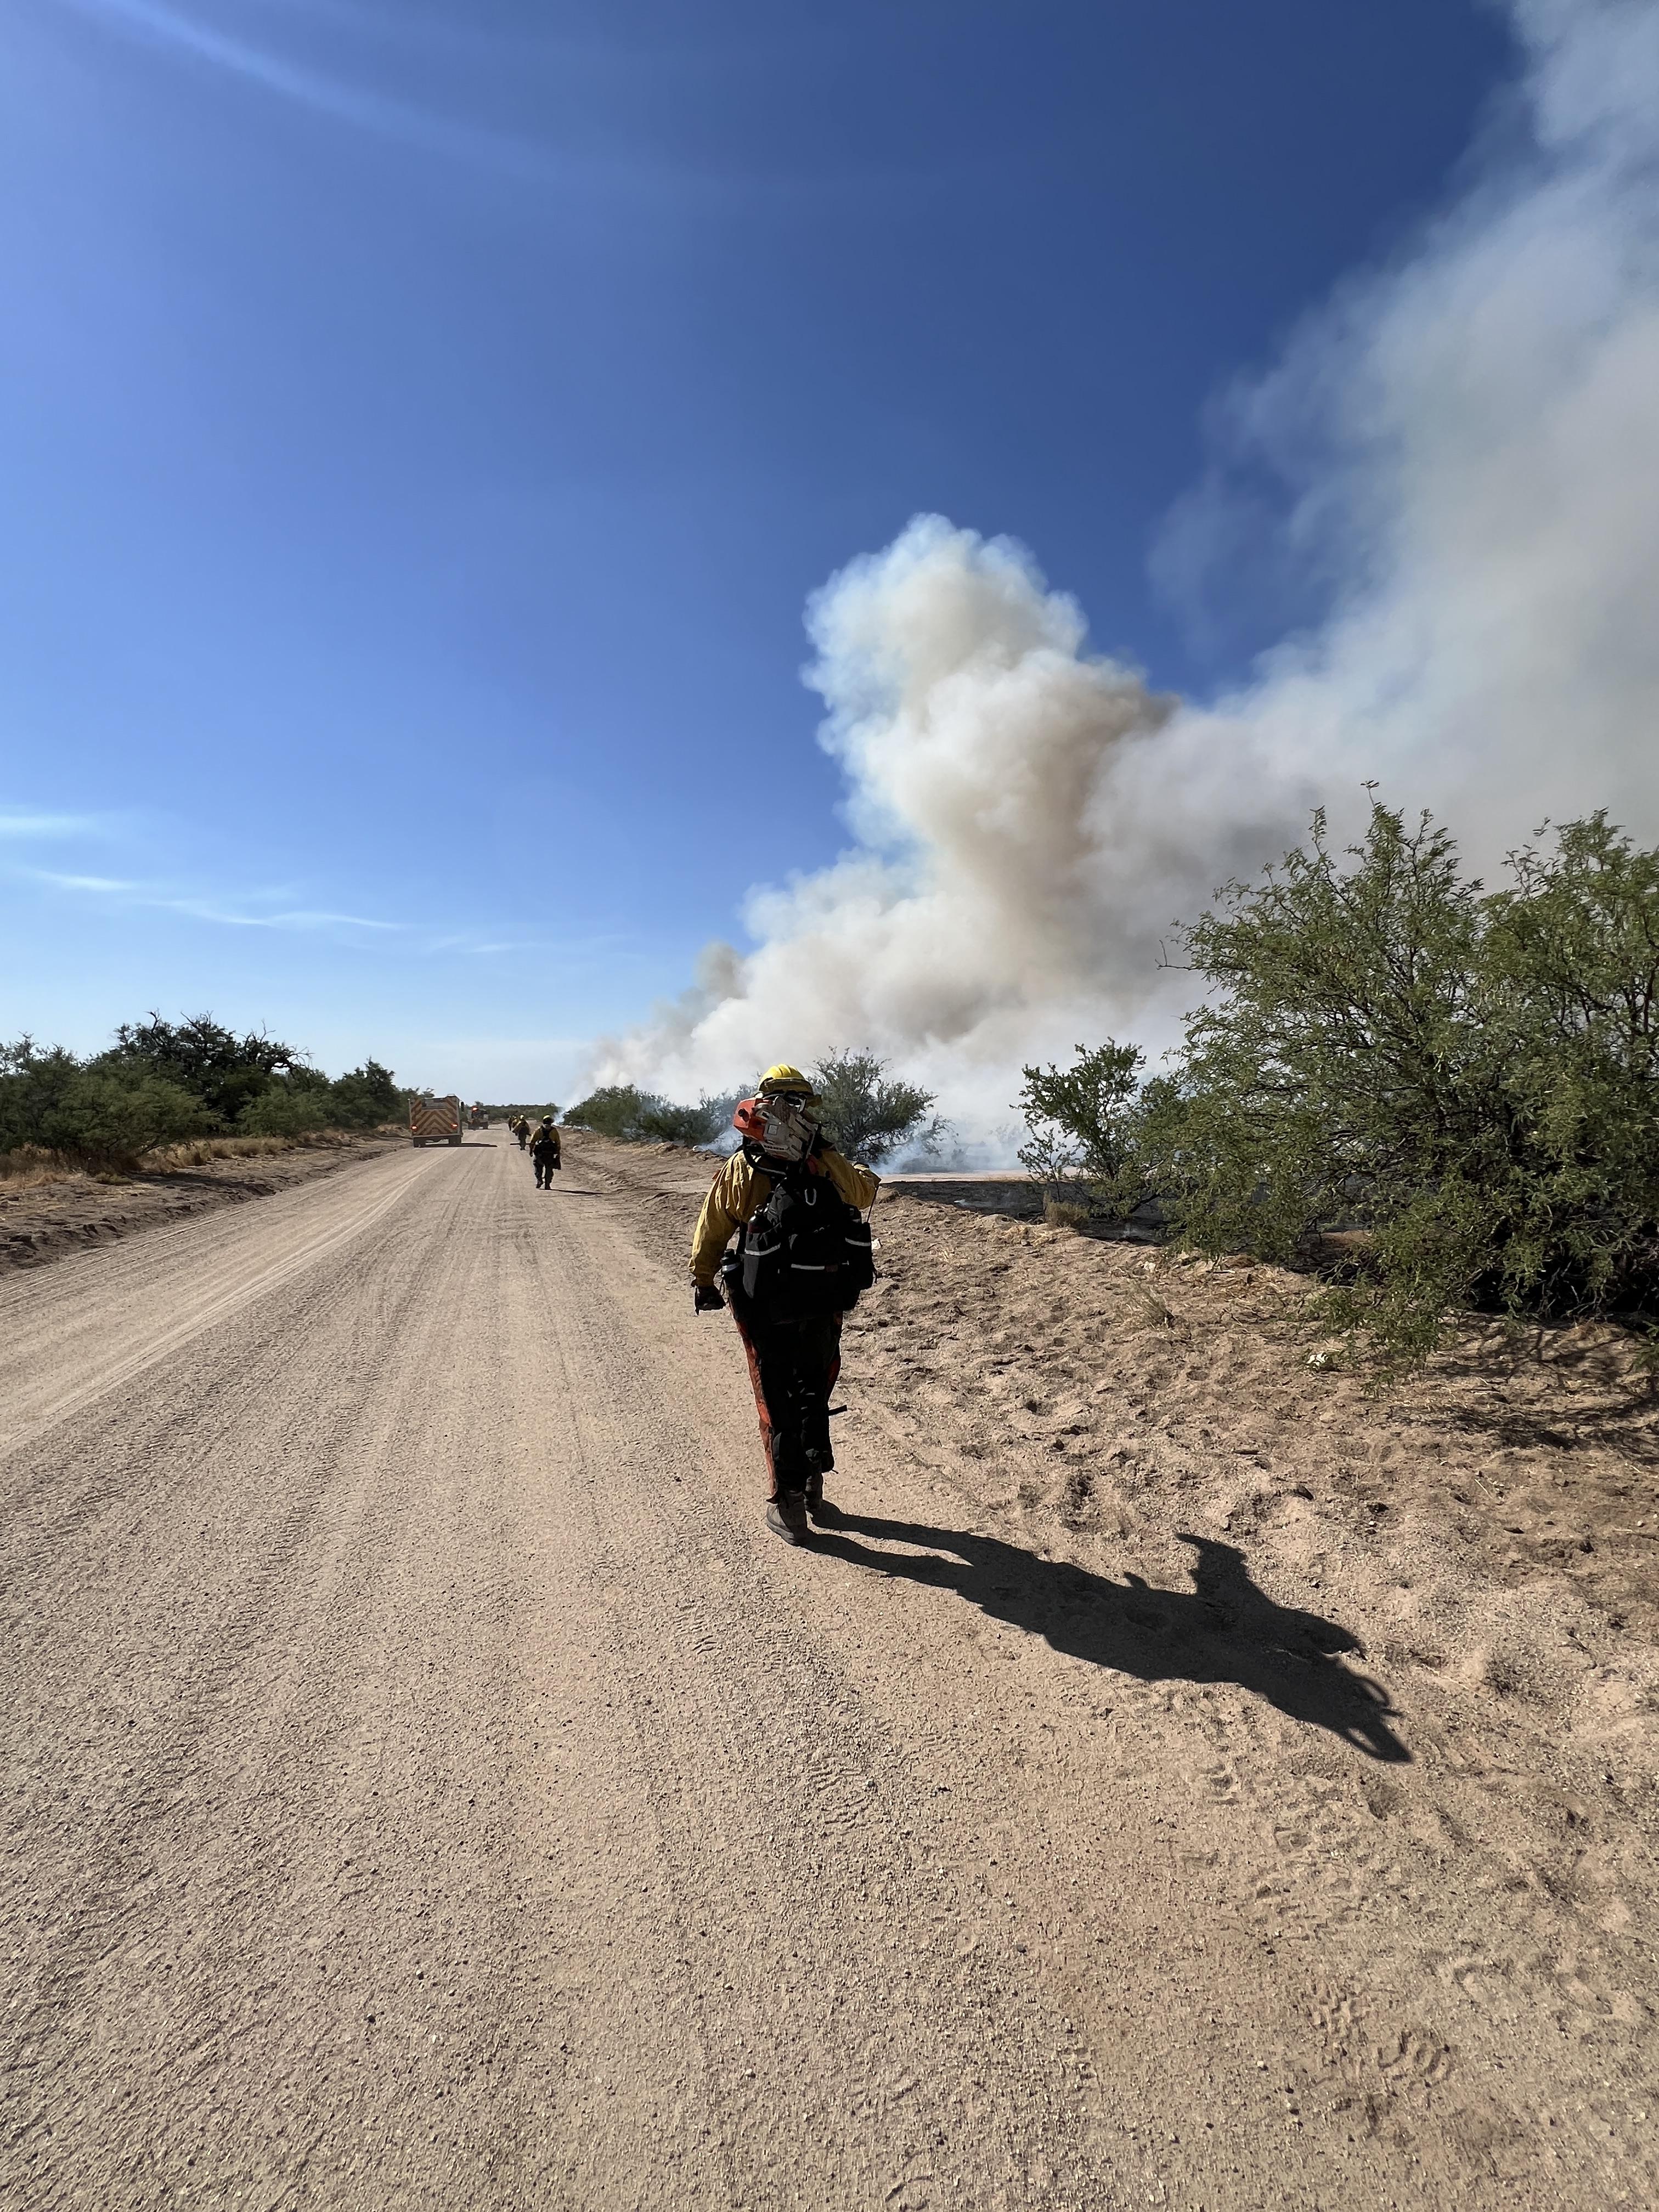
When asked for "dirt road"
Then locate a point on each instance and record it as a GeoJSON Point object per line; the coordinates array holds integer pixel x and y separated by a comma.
{"type": "Point", "coordinates": [428, 1784]}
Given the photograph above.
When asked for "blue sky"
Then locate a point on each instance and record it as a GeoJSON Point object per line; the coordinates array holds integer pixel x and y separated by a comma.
{"type": "Point", "coordinates": [422, 422]}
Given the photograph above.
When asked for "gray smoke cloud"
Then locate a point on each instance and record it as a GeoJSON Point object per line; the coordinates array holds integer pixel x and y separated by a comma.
{"type": "Point", "coordinates": [1470, 444]}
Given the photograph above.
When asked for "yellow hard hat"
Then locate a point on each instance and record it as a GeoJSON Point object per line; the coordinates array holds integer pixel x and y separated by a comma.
{"type": "Point", "coordinates": [785, 1077]}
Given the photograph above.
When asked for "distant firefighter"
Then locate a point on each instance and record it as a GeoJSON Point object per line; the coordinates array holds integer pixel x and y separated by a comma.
{"type": "Point", "coordinates": [545, 1152]}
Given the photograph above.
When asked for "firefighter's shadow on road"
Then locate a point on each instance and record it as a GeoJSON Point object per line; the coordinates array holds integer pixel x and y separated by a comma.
{"type": "Point", "coordinates": [1224, 1630]}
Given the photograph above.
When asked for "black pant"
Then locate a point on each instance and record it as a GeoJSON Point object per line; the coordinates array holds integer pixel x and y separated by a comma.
{"type": "Point", "coordinates": [793, 1365]}
{"type": "Point", "coordinates": [546, 1160]}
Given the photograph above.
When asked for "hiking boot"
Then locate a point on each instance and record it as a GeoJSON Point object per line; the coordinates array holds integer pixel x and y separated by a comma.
{"type": "Point", "coordinates": [785, 1516]}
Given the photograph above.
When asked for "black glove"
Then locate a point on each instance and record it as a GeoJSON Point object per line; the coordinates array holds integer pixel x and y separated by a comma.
{"type": "Point", "coordinates": [705, 1297]}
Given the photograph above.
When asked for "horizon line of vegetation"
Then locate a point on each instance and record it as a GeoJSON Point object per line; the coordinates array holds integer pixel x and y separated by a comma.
{"type": "Point", "coordinates": [162, 1083]}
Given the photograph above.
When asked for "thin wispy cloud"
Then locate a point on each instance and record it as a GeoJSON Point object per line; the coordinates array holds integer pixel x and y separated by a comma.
{"type": "Point", "coordinates": [638, 168]}
{"type": "Point", "coordinates": [294, 918]}
{"type": "Point", "coordinates": [19, 826]}
{"type": "Point", "coordinates": [606, 945]}
{"type": "Point", "coordinates": [283, 907]}
{"type": "Point", "coordinates": [493, 948]}
{"type": "Point", "coordinates": [404, 122]}
{"type": "Point", "coordinates": [100, 885]}
{"type": "Point", "coordinates": [325, 95]}
{"type": "Point", "coordinates": [225, 913]}
{"type": "Point", "coordinates": [275, 907]}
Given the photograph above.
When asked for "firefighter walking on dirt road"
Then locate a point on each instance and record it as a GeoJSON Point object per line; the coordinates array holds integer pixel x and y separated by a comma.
{"type": "Point", "coordinates": [545, 1152]}
{"type": "Point", "coordinates": [803, 1255]}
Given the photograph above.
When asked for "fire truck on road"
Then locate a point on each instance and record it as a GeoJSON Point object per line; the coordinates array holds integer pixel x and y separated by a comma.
{"type": "Point", "coordinates": [434, 1120]}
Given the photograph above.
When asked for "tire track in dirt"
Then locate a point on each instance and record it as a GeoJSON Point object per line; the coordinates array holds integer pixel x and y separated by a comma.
{"type": "Point", "coordinates": [55, 1361]}
{"type": "Point", "coordinates": [242, 1671]}
{"type": "Point", "coordinates": [889, 2006]}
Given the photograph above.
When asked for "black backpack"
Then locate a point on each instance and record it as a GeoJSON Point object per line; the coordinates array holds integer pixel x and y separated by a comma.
{"type": "Point", "coordinates": [806, 1250]}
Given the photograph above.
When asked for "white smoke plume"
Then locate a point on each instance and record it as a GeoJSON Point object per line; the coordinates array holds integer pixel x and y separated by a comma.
{"type": "Point", "coordinates": [1470, 440]}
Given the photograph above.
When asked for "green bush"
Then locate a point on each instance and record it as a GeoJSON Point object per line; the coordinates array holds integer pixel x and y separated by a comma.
{"type": "Point", "coordinates": [631, 1116]}
{"type": "Point", "coordinates": [662, 1121]}
{"type": "Point", "coordinates": [287, 1110]}
{"type": "Point", "coordinates": [869, 1114]}
{"type": "Point", "coordinates": [226, 1071]}
{"type": "Point", "coordinates": [33, 1081]}
{"type": "Point", "coordinates": [365, 1097]}
{"type": "Point", "coordinates": [160, 1083]}
{"type": "Point", "coordinates": [865, 1114]}
{"type": "Point", "coordinates": [1079, 1119]}
{"type": "Point", "coordinates": [612, 1111]}
{"type": "Point", "coordinates": [101, 1111]}
{"type": "Point", "coordinates": [1472, 1076]}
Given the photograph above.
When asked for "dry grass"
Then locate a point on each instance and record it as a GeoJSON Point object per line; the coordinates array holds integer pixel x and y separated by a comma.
{"type": "Point", "coordinates": [1063, 1213]}
{"type": "Point", "coordinates": [196, 1152]}
{"type": "Point", "coordinates": [30, 1166]}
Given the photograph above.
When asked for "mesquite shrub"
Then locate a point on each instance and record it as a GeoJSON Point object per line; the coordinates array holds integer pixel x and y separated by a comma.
{"type": "Point", "coordinates": [631, 1116]}
{"type": "Point", "coordinates": [161, 1081]}
{"type": "Point", "coordinates": [1472, 1076]}
{"type": "Point", "coordinates": [869, 1114]}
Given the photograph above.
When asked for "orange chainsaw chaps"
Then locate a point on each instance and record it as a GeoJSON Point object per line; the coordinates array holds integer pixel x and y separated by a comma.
{"type": "Point", "coordinates": [761, 1408]}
